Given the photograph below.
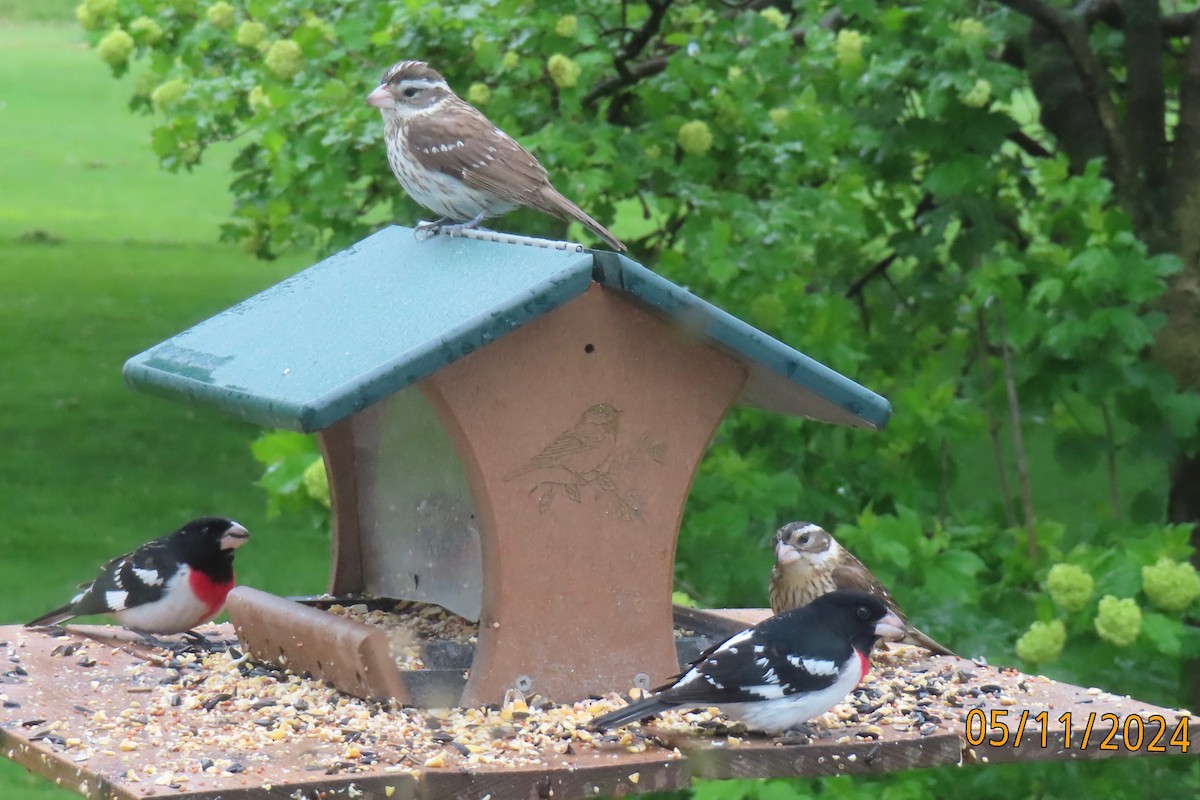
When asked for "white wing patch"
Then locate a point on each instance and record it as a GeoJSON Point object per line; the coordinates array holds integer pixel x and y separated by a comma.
{"type": "Point", "coordinates": [766, 691]}
{"type": "Point", "coordinates": [814, 666]}
{"type": "Point", "coordinates": [150, 577]}
{"type": "Point", "coordinates": [737, 638]}
{"type": "Point", "coordinates": [116, 600]}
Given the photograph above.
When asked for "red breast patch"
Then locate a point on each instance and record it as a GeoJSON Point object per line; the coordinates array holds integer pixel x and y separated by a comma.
{"type": "Point", "coordinates": [211, 593]}
{"type": "Point", "coordinates": [863, 661]}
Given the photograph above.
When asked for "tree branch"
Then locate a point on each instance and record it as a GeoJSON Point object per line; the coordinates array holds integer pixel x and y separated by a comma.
{"type": "Point", "coordinates": [1112, 14]}
{"type": "Point", "coordinates": [1185, 166]}
{"type": "Point", "coordinates": [625, 77]}
{"type": "Point", "coordinates": [1030, 145]}
{"type": "Point", "coordinates": [1014, 409]}
{"type": "Point", "coordinates": [1072, 32]}
{"type": "Point", "coordinates": [993, 424]}
{"type": "Point", "coordinates": [1145, 118]}
{"type": "Point", "coordinates": [880, 267]}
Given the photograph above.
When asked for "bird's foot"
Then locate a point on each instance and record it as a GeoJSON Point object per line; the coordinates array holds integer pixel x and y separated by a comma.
{"type": "Point", "coordinates": [189, 641]}
{"type": "Point", "coordinates": [800, 734]}
{"type": "Point", "coordinates": [426, 229]}
{"type": "Point", "coordinates": [448, 226]}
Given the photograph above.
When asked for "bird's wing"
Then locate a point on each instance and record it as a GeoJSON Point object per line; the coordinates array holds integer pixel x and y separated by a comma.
{"type": "Point", "coordinates": [463, 143]}
{"type": "Point", "coordinates": [565, 444]}
{"type": "Point", "coordinates": [748, 668]}
{"type": "Point", "coordinates": [128, 580]}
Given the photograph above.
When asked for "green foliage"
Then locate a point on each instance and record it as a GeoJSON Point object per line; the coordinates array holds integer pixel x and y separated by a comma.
{"type": "Point", "coordinates": [860, 191]}
{"type": "Point", "coordinates": [1118, 620]}
{"type": "Point", "coordinates": [1070, 586]}
{"type": "Point", "coordinates": [1043, 642]}
{"type": "Point", "coordinates": [294, 486]}
{"type": "Point", "coordinates": [1171, 585]}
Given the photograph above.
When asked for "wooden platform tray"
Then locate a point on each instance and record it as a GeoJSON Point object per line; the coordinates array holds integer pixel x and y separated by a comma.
{"type": "Point", "coordinates": [106, 716]}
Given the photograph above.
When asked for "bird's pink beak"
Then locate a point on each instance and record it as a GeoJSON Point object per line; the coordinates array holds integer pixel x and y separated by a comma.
{"type": "Point", "coordinates": [786, 554]}
{"type": "Point", "coordinates": [381, 97]}
{"type": "Point", "coordinates": [234, 537]}
{"type": "Point", "coordinates": [891, 627]}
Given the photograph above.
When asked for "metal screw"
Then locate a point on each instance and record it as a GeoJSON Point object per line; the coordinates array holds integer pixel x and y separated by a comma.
{"type": "Point", "coordinates": [524, 683]}
{"type": "Point", "coordinates": [641, 680]}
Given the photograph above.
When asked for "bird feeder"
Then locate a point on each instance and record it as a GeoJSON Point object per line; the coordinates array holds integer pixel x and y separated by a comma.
{"type": "Point", "coordinates": [510, 429]}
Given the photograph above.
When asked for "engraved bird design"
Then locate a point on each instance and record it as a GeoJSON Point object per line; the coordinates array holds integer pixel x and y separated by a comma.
{"type": "Point", "coordinates": [582, 449]}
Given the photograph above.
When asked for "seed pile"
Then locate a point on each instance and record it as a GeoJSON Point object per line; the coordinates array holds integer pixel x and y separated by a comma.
{"type": "Point", "coordinates": [410, 625]}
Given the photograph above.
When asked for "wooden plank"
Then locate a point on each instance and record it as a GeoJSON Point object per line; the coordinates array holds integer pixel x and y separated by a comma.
{"type": "Point", "coordinates": [353, 657]}
{"type": "Point", "coordinates": [757, 756]}
{"type": "Point", "coordinates": [595, 774]}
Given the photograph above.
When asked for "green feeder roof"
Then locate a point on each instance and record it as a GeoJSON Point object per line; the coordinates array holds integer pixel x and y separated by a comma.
{"type": "Point", "coordinates": [389, 311]}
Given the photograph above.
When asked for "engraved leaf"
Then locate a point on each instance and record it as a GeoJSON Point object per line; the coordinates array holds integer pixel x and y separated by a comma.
{"type": "Point", "coordinates": [607, 483]}
{"type": "Point", "coordinates": [545, 500]}
{"type": "Point", "coordinates": [572, 490]}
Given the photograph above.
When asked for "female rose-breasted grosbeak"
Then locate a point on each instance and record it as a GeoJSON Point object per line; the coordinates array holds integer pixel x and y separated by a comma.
{"type": "Point", "coordinates": [169, 585]}
{"type": "Point", "coordinates": [452, 160]}
{"type": "Point", "coordinates": [782, 672]}
{"type": "Point", "coordinates": [809, 562]}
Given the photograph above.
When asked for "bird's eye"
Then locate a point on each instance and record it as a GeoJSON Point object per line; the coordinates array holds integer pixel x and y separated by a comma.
{"type": "Point", "coordinates": [863, 613]}
{"type": "Point", "coordinates": [411, 91]}
{"type": "Point", "coordinates": [805, 538]}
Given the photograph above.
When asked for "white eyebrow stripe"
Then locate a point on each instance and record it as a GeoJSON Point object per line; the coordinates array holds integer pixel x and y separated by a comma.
{"type": "Point", "coordinates": [419, 83]}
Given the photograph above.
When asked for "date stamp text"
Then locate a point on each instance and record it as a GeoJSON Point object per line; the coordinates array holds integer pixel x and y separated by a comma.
{"type": "Point", "coordinates": [997, 728]}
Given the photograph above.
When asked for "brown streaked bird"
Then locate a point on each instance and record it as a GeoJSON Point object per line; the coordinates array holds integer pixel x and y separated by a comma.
{"type": "Point", "coordinates": [809, 562]}
{"type": "Point", "coordinates": [451, 159]}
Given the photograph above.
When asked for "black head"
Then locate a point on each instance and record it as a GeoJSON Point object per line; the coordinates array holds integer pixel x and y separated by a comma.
{"type": "Point", "coordinates": [856, 616]}
{"type": "Point", "coordinates": [208, 542]}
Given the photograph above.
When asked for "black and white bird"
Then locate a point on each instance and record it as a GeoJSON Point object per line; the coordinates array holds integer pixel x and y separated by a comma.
{"type": "Point", "coordinates": [169, 585]}
{"type": "Point", "coordinates": [451, 159]}
{"type": "Point", "coordinates": [809, 562]}
{"type": "Point", "coordinates": [782, 672]}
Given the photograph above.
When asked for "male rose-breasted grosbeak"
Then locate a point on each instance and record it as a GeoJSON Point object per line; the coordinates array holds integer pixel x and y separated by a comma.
{"type": "Point", "coordinates": [782, 672]}
{"type": "Point", "coordinates": [809, 562]}
{"type": "Point", "coordinates": [169, 585]}
{"type": "Point", "coordinates": [452, 160]}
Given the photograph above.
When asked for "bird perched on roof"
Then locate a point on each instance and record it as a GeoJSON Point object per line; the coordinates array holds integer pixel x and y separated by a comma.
{"type": "Point", "coordinates": [782, 672]}
{"type": "Point", "coordinates": [168, 585]}
{"type": "Point", "coordinates": [451, 159]}
{"type": "Point", "coordinates": [809, 562]}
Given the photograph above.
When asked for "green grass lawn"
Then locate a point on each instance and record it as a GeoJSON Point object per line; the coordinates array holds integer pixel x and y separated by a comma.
{"type": "Point", "coordinates": [101, 256]}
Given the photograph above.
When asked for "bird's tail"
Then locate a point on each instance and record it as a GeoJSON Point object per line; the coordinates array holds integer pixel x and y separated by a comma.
{"type": "Point", "coordinates": [53, 617]}
{"type": "Point", "coordinates": [646, 707]}
{"type": "Point", "coordinates": [915, 637]}
{"type": "Point", "coordinates": [553, 202]}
